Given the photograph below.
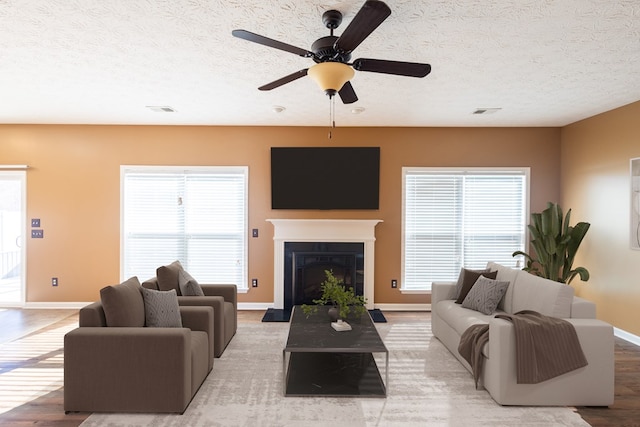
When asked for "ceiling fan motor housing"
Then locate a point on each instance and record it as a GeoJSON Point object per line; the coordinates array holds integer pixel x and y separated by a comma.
{"type": "Point", "coordinates": [324, 50]}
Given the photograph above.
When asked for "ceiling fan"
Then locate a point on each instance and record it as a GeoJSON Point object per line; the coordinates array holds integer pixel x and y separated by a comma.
{"type": "Point", "coordinates": [332, 53]}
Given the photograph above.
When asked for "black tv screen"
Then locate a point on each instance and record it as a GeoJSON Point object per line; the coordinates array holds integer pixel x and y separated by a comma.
{"type": "Point", "coordinates": [325, 177]}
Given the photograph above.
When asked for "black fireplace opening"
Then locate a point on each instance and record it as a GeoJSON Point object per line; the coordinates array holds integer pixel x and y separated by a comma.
{"type": "Point", "coordinates": [305, 264]}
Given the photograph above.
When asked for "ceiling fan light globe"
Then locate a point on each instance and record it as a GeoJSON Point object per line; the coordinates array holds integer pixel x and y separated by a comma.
{"type": "Point", "coordinates": [331, 76]}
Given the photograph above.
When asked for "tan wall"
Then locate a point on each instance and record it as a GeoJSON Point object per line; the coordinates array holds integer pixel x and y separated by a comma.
{"type": "Point", "coordinates": [596, 186]}
{"type": "Point", "coordinates": [74, 188]}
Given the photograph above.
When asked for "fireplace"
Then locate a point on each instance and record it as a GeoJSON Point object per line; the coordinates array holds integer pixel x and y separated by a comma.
{"type": "Point", "coordinates": [348, 246]}
{"type": "Point", "coordinates": [305, 264]}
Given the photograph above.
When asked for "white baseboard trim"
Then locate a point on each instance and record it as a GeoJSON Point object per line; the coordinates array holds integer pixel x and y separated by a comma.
{"type": "Point", "coordinates": [387, 307]}
{"type": "Point", "coordinates": [403, 307]}
{"type": "Point", "coordinates": [55, 305]}
{"type": "Point", "coordinates": [627, 336]}
{"type": "Point", "coordinates": [241, 306]}
{"type": "Point", "coordinates": [254, 305]}
{"type": "Point", "coordinates": [79, 305]}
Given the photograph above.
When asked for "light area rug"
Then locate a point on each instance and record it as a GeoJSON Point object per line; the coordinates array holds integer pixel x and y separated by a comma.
{"type": "Point", "coordinates": [427, 387]}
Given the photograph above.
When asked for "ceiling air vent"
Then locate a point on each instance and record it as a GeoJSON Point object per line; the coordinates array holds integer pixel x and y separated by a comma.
{"type": "Point", "coordinates": [486, 110]}
{"type": "Point", "coordinates": [161, 108]}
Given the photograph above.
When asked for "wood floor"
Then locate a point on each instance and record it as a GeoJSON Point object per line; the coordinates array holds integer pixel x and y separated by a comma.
{"type": "Point", "coordinates": [23, 331]}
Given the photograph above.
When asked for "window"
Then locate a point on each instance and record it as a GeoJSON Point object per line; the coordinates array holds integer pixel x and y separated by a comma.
{"type": "Point", "coordinates": [455, 218]}
{"type": "Point", "coordinates": [195, 215]}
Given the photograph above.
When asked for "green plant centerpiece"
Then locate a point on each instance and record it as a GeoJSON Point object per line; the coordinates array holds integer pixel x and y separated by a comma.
{"type": "Point", "coordinates": [335, 293]}
{"type": "Point", "coordinates": [555, 244]}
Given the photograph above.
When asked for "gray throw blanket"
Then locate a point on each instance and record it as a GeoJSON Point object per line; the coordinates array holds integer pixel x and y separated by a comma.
{"type": "Point", "coordinates": [546, 347]}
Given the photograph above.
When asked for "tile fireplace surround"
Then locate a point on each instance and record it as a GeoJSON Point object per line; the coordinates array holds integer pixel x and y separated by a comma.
{"type": "Point", "coordinates": [323, 230]}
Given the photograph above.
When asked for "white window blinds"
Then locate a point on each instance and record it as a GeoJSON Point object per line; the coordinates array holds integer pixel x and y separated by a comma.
{"type": "Point", "coordinates": [460, 218]}
{"type": "Point", "coordinates": [197, 216]}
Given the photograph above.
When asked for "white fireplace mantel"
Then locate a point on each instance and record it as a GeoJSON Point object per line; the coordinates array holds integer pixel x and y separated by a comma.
{"type": "Point", "coordinates": [323, 230]}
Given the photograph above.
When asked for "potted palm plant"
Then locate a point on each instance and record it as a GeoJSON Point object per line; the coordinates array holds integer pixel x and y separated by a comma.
{"type": "Point", "coordinates": [342, 299]}
{"type": "Point", "coordinates": [555, 244]}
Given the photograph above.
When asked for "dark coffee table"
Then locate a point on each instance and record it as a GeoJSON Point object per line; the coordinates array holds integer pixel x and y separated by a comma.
{"type": "Point", "coordinates": [319, 361]}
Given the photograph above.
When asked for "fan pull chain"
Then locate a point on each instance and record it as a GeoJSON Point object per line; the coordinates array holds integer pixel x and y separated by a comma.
{"type": "Point", "coordinates": [332, 114]}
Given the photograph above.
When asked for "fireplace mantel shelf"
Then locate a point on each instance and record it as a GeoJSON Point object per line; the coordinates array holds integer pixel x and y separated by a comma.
{"type": "Point", "coordinates": [323, 230]}
{"type": "Point", "coordinates": [344, 230]}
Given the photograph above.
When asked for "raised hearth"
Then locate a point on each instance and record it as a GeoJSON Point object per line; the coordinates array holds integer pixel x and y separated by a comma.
{"type": "Point", "coordinates": [326, 232]}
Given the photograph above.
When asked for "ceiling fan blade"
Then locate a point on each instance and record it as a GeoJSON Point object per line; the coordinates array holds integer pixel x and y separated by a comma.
{"type": "Point", "coordinates": [399, 68]}
{"type": "Point", "coordinates": [368, 18]}
{"type": "Point", "coordinates": [256, 38]}
{"type": "Point", "coordinates": [347, 94]}
{"type": "Point", "coordinates": [284, 80]}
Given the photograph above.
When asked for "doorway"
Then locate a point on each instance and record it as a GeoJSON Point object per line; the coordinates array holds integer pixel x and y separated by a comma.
{"type": "Point", "coordinates": [12, 238]}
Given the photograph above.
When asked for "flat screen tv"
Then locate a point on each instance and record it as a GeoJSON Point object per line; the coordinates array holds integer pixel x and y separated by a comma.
{"type": "Point", "coordinates": [325, 177]}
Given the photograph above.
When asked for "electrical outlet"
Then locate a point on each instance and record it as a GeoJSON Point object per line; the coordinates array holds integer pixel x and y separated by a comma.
{"type": "Point", "coordinates": [254, 283]}
{"type": "Point", "coordinates": [254, 232]}
{"type": "Point", "coordinates": [54, 281]}
{"type": "Point", "coordinates": [394, 283]}
{"type": "Point", "coordinates": [35, 222]}
{"type": "Point", "coordinates": [37, 234]}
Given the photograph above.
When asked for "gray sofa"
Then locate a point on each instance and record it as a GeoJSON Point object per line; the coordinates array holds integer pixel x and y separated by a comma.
{"type": "Point", "coordinates": [222, 298]}
{"type": "Point", "coordinates": [136, 369]}
{"type": "Point", "coordinates": [592, 385]}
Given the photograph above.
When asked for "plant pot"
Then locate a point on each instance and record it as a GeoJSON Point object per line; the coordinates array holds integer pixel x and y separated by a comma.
{"type": "Point", "coordinates": [333, 314]}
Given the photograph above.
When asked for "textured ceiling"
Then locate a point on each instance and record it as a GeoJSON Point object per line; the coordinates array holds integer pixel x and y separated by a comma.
{"type": "Point", "coordinates": [543, 62]}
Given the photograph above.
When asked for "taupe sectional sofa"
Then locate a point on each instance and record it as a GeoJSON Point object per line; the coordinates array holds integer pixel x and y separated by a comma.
{"type": "Point", "coordinates": [114, 363]}
{"type": "Point", "coordinates": [223, 299]}
{"type": "Point", "coordinates": [592, 385]}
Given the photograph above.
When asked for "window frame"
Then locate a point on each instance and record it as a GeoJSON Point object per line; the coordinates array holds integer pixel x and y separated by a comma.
{"type": "Point", "coordinates": [406, 170]}
{"type": "Point", "coordinates": [243, 170]}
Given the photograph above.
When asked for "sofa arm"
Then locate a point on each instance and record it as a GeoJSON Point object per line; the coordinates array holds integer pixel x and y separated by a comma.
{"type": "Point", "coordinates": [228, 292]}
{"type": "Point", "coordinates": [200, 318]}
{"type": "Point", "coordinates": [220, 325]}
{"type": "Point", "coordinates": [592, 385]}
{"type": "Point", "coordinates": [92, 315]}
{"type": "Point", "coordinates": [582, 309]}
{"type": "Point", "coordinates": [127, 369]}
{"type": "Point", "coordinates": [151, 283]}
{"type": "Point", "coordinates": [442, 291]}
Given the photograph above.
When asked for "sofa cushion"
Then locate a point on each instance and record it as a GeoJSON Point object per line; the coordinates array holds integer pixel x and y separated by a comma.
{"type": "Point", "coordinates": [505, 274]}
{"type": "Point", "coordinates": [460, 281]}
{"type": "Point", "coordinates": [167, 276]}
{"type": "Point", "coordinates": [161, 308]}
{"type": "Point", "coordinates": [545, 296]}
{"type": "Point", "coordinates": [485, 295]}
{"type": "Point", "coordinates": [188, 285]}
{"type": "Point", "coordinates": [469, 279]}
{"type": "Point", "coordinates": [123, 304]}
{"type": "Point", "coordinates": [458, 317]}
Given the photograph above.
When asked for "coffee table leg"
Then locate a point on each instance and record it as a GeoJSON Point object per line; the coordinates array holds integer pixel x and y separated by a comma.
{"type": "Point", "coordinates": [284, 372]}
{"type": "Point", "coordinates": [386, 373]}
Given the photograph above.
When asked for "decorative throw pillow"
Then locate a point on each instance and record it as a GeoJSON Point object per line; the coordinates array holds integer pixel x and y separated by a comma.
{"type": "Point", "coordinates": [123, 304]}
{"type": "Point", "coordinates": [161, 308]}
{"type": "Point", "coordinates": [167, 276]}
{"type": "Point", "coordinates": [459, 283]}
{"type": "Point", "coordinates": [188, 285]}
{"type": "Point", "coordinates": [485, 295]}
{"type": "Point", "coordinates": [469, 279]}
